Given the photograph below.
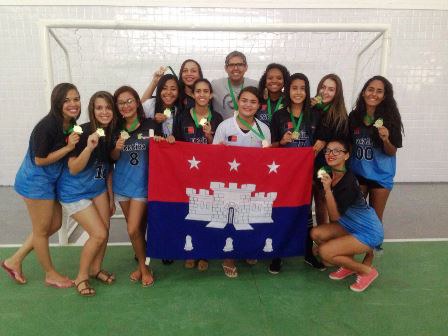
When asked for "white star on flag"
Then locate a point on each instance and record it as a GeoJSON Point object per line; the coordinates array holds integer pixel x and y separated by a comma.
{"type": "Point", "coordinates": [234, 165]}
{"type": "Point", "coordinates": [194, 163]}
{"type": "Point", "coordinates": [273, 167]}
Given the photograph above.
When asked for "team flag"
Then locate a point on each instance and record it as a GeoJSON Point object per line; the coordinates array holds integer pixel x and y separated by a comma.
{"type": "Point", "coordinates": [218, 202]}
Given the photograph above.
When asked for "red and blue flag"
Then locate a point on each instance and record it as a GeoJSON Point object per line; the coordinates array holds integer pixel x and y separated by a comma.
{"type": "Point", "coordinates": [217, 202]}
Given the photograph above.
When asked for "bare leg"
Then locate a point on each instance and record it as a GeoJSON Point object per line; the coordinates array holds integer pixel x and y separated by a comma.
{"type": "Point", "coordinates": [340, 251]}
{"type": "Point", "coordinates": [42, 213]}
{"type": "Point", "coordinates": [91, 222]}
{"type": "Point", "coordinates": [101, 204]}
{"type": "Point", "coordinates": [134, 212]}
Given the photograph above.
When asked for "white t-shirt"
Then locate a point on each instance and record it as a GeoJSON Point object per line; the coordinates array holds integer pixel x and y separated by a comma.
{"type": "Point", "coordinates": [222, 101]}
{"type": "Point", "coordinates": [149, 107]}
{"type": "Point", "coordinates": [229, 133]}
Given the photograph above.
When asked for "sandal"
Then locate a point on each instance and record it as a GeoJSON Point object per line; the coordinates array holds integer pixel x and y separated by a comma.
{"type": "Point", "coordinates": [202, 265]}
{"type": "Point", "coordinates": [105, 277]}
{"type": "Point", "coordinates": [17, 277]}
{"type": "Point", "coordinates": [190, 263]}
{"type": "Point", "coordinates": [150, 283]}
{"type": "Point", "coordinates": [133, 278]}
{"type": "Point", "coordinates": [230, 272]}
{"type": "Point", "coordinates": [86, 290]}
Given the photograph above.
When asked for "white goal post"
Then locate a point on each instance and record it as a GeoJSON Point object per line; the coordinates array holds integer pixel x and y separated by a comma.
{"type": "Point", "coordinates": [47, 28]}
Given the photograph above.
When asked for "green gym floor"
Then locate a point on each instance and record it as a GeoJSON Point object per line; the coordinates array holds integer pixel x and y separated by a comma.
{"type": "Point", "coordinates": [410, 297]}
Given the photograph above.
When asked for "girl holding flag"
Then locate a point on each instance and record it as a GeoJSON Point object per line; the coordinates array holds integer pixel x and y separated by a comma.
{"type": "Point", "coordinates": [246, 131]}
{"type": "Point", "coordinates": [271, 85]}
{"type": "Point", "coordinates": [294, 126]}
{"type": "Point", "coordinates": [198, 125]}
{"type": "Point", "coordinates": [50, 142]}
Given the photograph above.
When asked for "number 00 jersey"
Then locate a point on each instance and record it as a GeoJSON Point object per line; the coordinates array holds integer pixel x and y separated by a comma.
{"type": "Point", "coordinates": [130, 177]}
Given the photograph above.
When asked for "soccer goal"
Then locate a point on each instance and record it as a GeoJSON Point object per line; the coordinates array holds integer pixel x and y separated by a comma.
{"type": "Point", "coordinates": [103, 55]}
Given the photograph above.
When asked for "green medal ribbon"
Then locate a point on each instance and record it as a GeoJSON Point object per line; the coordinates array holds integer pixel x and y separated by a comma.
{"type": "Point", "coordinates": [133, 126]}
{"type": "Point", "coordinates": [369, 120]}
{"type": "Point", "coordinates": [70, 130]}
{"type": "Point", "coordinates": [232, 94]}
{"type": "Point", "coordinates": [343, 170]}
{"type": "Point", "coordinates": [293, 120]}
{"type": "Point", "coordinates": [277, 106]}
{"type": "Point", "coordinates": [259, 134]}
{"type": "Point", "coordinates": [323, 107]}
{"type": "Point", "coordinates": [195, 118]}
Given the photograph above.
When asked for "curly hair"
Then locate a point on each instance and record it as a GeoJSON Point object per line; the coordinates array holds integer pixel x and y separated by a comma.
{"type": "Point", "coordinates": [387, 110]}
{"type": "Point", "coordinates": [280, 67]}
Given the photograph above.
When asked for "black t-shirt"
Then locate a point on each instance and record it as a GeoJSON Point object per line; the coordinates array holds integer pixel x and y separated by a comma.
{"type": "Point", "coordinates": [184, 128]}
{"type": "Point", "coordinates": [347, 192]}
{"type": "Point", "coordinates": [47, 136]}
{"type": "Point", "coordinates": [325, 131]}
{"type": "Point", "coordinates": [355, 128]}
{"type": "Point", "coordinates": [100, 153]}
{"type": "Point", "coordinates": [281, 123]}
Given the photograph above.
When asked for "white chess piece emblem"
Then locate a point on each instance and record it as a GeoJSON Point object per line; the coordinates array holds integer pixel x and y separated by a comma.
{"type": "Point", "coordinates": [229, 245]}
{"type": "Point", "coordinates": [188, 243]}
{"type": "Point", "coordinates": [268, 245]}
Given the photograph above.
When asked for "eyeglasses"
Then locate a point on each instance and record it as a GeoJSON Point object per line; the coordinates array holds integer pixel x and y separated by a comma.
{"type": "Point", "coordinates": [128, 102]}
{"type": "Point", "coordinates": [335, 151]}
{"type": "Point", "coordinates": [236, 65]}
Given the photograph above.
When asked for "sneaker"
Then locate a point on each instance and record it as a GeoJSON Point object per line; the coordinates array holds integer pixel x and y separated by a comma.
{"type": "Point", "coordinates": [340, 274]}
{"type": "Point", "coordinates": [313, 262]}
{"type": "Point", "coordinates": [276, 266]}
{"type": "Point", "coordinates": [364, 281]}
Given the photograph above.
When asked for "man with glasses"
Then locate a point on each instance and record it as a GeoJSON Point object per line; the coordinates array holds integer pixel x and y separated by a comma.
{"type": "Point", "coordinates": [226, 90]}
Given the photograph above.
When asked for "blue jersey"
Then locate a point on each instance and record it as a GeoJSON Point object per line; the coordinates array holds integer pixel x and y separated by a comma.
{"type": "Point", "coordinates": [369, 160]}
{"type": "Point", "coordinates": [39, 182]}
{"type": "Point", "coordinates": [91, 181]}
{"type": "Point", "coordinates": [281, 123]}
{"type": "Point", "coordinates": [130, 177]}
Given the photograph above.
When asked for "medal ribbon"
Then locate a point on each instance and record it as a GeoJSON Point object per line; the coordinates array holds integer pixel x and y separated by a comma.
{"type": "Point", "coordinates": [133, 125]}
{"type": "Point", "coordinates": [195, 118]}
{"type": "Point", "coordinates": [70, 130]}
{"type": "Point", "coordinates": [275, 109]}
{"type": "Point", "coordinates": [232, 94]}
{"type": "Point", "coordinates": [293, 120]}
{"type": "Point", "coordinates": [259, 134]}
{"type": "Point", "coordinates": [368, 119]}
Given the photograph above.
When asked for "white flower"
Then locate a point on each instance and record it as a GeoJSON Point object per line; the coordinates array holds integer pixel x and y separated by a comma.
{"type": "Point", "coordinates": [202, 122]}
{"type": "Point", "coordinates": [100, 132]}
{"type": "Point", "coordinates": [125, 135]}
{"type": "Point", "coordinates": [378, 123]}
{"type": "Point", "coordinates": [321, 173]}
{"type": "Point", "coordinates": [167, 112]}
{"type": "Point", "coordinates": [77, 129]}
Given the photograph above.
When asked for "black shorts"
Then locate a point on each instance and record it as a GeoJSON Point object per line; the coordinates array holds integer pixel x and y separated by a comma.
{"type": "Point", "coordinates": [370, 184]}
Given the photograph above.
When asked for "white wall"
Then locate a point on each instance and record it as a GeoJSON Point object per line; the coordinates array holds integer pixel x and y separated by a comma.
{"type": "Point", "coordinates": [417, 68]}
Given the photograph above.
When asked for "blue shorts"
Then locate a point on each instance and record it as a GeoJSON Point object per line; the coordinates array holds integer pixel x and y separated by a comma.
{"type": "Point", "coordinates": [363, 223]}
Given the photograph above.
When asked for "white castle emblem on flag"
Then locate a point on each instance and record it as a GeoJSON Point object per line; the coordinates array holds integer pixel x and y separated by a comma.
{"type": "Point", "coordinates": [230, 205]}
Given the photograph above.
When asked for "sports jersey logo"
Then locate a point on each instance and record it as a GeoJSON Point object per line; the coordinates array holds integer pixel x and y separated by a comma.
{"type": "Point", "coordinates": [289, 125]}
{"type": "Point", "coordinates": [189, 130]}
{"type": "Point", "coordinates": [357, 131]}
{"type": "Point", "coordinates": [264, 107]}
{"type": "Point", "coordinates": [232, 138]}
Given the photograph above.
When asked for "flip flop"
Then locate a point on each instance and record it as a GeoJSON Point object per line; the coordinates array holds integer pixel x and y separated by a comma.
{"type": "Point", "coordinates": [230, 272]}
{"type": "Point", "coordinates": [17, 277]}
{"type": "Point", "coordinates": [59, 284]}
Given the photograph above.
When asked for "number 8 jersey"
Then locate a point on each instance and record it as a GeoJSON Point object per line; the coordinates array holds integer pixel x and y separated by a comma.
{"type": "Point", "coordinates": [130, 177]}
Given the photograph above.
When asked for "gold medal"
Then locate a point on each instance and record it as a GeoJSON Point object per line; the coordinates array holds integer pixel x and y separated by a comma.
{"type": "Point", "coordinates": [295, 135]}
